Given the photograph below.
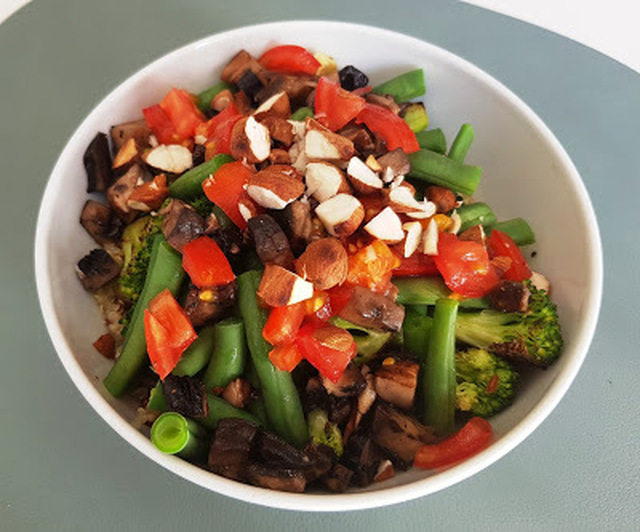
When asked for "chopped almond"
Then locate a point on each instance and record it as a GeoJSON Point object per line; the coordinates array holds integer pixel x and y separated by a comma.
{"type": "Point", "coordinates": [386, 226]}
{"type": "Point", "coordinates": [275, 187]}
{"type": "Point", "coordinates": [325, 263]}
{"type": "Point", "coordinates": [341, 215]}
{"type": "Point", "coordinates": [322, 143]}
{"type": "Point", "coordinates": [250, 141]}
{"type": "Point", "coordinates": [280, 287]}
{"type": "Point", "coordinates": [363, 179]}
{"type": "Point", "coordinates": [150, 195]}
{"type": "Point", "coordinates": [276, 105]}
{"type": "Point", "coordinates": [128, 154]}
{"type": "Point", "coordinates": [170, 158]}
{"type": "Point", "coordinates": [324, 180]}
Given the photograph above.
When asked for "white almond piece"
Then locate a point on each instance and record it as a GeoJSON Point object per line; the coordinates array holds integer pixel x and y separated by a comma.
{"type": "Point", "coordinates": [266, 198]}
{"type": "Point", "coordinates": [430, 238]}
{"type": "Point", "coordinates": [540, 282]}
{"type": "Point", "coordinates": [373, 163]}
{"type": "Point", "coordinates": [299, 129]}
{"type": "Point", "coordinates": [200, 139]}
{"type": "Point", "coordinates": [364, 179]}
{"type": "Point", "coordinates": [259, 139]}
{"type": "Point", "coordinates": [153, 141]}
{"type": "Point", "coordinates": [385, 226]}
{"type": "Point", "coordinates": [324, 180]}
{"type": "Point", "coordinates": [172, 158]}
{"type": "Point", "coordinates": [268, 103]}
{"type": "Point", "coordinates": [341, 215]}
{"type": "Point", "coordinates": [457, 223]}
{"type": "Point", "coordinates": [412, 240]}
{"type": "Point", "coordinates": [401, 200]}
{"type": "Point", "coordinates": [428, 209]}
{"type": "Point", "coordinates": [388, 176]}
{"type": "Point", "coordinates": [318, 146]}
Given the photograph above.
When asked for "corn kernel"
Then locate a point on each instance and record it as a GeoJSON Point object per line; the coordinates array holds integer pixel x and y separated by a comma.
{"type": "Point", "coordinates": [206, 295]}
{"type": "Point", "coordinates": [389, 361]}
{"type": "Point", "coordinates": [327, 66]}
{"type": "Point", "coordinates": [443, 222]}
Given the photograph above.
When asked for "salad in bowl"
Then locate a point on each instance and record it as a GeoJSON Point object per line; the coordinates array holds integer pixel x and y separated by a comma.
{"type": "Point", "coordinates": [299, 289]}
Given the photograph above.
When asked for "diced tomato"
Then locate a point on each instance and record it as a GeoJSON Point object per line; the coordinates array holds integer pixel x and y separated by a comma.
{"type": "Point", "coordinates": [168, 332]}
{"type": "Point", "coordinates": [416, 265]}
{"type": "Point", "coordinates": [335, 107]}
{"type": "Point", "coordinates": [283, 323]}
{"type": "Point", "coordinates": [218, 129]}
{"type": "Point", "coordinates": [160, 124]}
{"type": "Point", "coordinates": [289, 58]}
{"type": "Point", "coordinates": [182, 111]}
{"type": "Point", "coordinates": [327, 348]}
{"type": "Point", "coordinates": [465, 266]}
{"type": "Point", "coordinates": [206, 264]}
{"type": "Point", "coordinates": [318, 308]}
{"type": "Point", "coordinates": [106, 346]}
{"type": "Point", "coordinates": [285, 357]}
{"type": "Point", "coordinates": [339, 296]}
{"type": "Point", "coordinates": [502, 245]}
{"type": "Point", "coordinates": [371, 267]}
{"type": "Point", "coordinates": [392, 128]}
{"type": "Point", "coordinates": [169, 313]}
{"type": "Point", "coordinates": [469, 440]}
{"type": "Point", "coordinates": [225, 188]}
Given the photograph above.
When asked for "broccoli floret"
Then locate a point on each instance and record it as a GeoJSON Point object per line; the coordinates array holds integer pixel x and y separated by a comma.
{"type": "Point", "coordinates": [533, 336]}
{"type": "Point", "coordinates": [323, 432]}
{"type": "Point", "coordinates": [202, 205]}
{"type": "Point", "coordinates": [485, 382]}
{"type": "Point", "coordinates": [137, 239]}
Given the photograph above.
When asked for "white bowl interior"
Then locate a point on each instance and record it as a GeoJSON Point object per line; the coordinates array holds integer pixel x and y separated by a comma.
{"type": "Point", "coordinates": [526, 173]}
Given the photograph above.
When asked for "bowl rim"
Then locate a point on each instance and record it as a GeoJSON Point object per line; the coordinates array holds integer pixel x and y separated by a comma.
{"type": "Point", "coordinates": [311, 501]}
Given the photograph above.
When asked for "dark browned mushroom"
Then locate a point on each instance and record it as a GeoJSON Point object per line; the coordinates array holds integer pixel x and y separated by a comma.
{"type": "Point", "coordinates": [274, 451]}
{"type": "Point", "coordinates": [239, 64]}
{"type": "Point", "coordinates": [99, 221]}
{"type": "Point", "coordinates": [395, 162]}
{"type": "Point", "coordinates": [137, 130]}
{"type": "Point", "coordinates": [362, 456]}
{"type": "Point", "coordinates": [271, 243]}
{"type": "Point", "coordinates": [361, 138]}
{"type": "Point", "coordinates": [186, 395]}
{"type": "Point", "coordinates": [350, 383]}
{"type": "Point", "coordinates": [119, 193]}
{"type": "Point", "coordinates": [338, 478]}
{"type": "Point", "coordinates": [237, 392]}
{"type": "Point", "coordinates": [399, 435]}
{"type": "Point", "coordinates": [97, 163]}
{"type": "Point", "coordinates": [231, 448]}
{"type": "Point", "coordinates": [181, 224]}
{"type": "Point", "coordinates": [96, 269]}
{"type": "Point", "coordinates": [277, 478]}
{"type": "Point", "coordinates": [296, 87]}
{"type": "Point", "coordinates": [385, 101]}
{"type": "Point", "coordinates": [397, 382]}
{"type": "Point", "coordinates": [510, 296]}
{"type": "Point", "coordinates": [371, 310]}
{"type": "Point", "coordinates": [202, 306]}
{"type": "Point", "coordinates": [295, 220]}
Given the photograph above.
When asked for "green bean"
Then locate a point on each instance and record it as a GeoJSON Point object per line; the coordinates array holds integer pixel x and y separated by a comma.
{"type": "Point", "coordinates": [415, 334]}
{"type": "Point", "coordinates": [218, 408]}
{"type": "Point", "coordinates": [415, 115]}
{"type": "Point", "coordinates": [222, 217]}
{"type": "Point", "coordinates": [172, 433]}
{"type": "Point", "coordinates": [427, 290]}
{"type": "Point", "coordinates": [404, 87]}
{"type": "Point", "coordinates": [165, 271]}
{"type": "Point", "coordinates": [475, 214]}
{"type": "Point", "coordinates": [197, 354]}
{"type": "Point", "coordinates": [203, 100]}
{"type": "Point", "coordinates": [518, 229]}
{"type": "Point", "coordinates": [301, 114]}
{"type": "Point", "coordinates": [432, 139]}
{"type": "Point", "coordinates": [257, 409]}
{"type": "Point", "coordinates": [189, 184]}
{"type": "Point", "coordinates": [438, 169]}
{"type": "Point", "coordinates": [229, 353]}
{"type": "Point", "coordinates": [281, 399]}
{"type": "Point", "coordinates": [462, 143]}
{"type": "Point", "coordinates": [439, 372]}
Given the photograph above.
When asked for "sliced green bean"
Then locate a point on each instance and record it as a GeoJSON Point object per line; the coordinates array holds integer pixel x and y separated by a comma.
{"type": "Point", "coordinates": [518, 229]}
{"type": "Point", "coordinates": [281, 399]}
{"type": "Point", "coordinates": [258, 410]}
{"type": "Point", "coordinates": [432, 139]}
{"type": "Point", "coordinates": [203, 100]}
{"type": "Point", "coordinates": [427, 290]}
{"type": "Point", "coordinates": [439, 372]}
{"type": "Point", "coordinates": [404, 87]}
{"type": "Point", "coordinates": [438, 169]}
{"type": "Point", "coordinates": [461, 144]}
{"type": "Point", "coordinates": [165, 271]}
{"type": "Point", "coordinates": [229, 353]}
{"type": "Point", "coordinates": [197, 354]}
{"type": "Point", "coordinates": [189, 184]}
{"type": "Point", "coordinates": [475, 214]}
{"type": "Point", "coordinates": [173, 433]}
{"type": "Point", "coordinates": [301, 114]}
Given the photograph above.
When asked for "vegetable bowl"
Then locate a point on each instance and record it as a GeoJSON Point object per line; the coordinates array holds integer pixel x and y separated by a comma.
{"type": "Point", "coordinates": [525, 174]}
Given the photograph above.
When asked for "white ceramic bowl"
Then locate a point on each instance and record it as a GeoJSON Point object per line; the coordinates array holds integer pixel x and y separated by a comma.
{"type": "Point", "coordinates": [526, 173]}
